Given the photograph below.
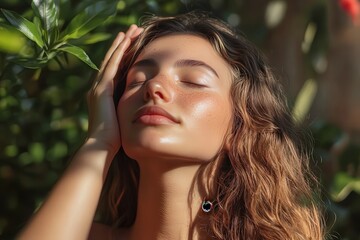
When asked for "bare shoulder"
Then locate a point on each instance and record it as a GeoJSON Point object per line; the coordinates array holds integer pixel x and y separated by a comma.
{"type": "Point", "coordinates": [101, 231]}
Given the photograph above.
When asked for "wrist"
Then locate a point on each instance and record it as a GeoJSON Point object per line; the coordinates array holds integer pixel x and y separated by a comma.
{"type": "Point", "coordinates": [94, 156]}
{"type": "Point", "coordinates": [94, 144]}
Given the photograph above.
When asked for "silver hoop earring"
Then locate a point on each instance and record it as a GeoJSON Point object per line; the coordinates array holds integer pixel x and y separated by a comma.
{"type": "Point", "coordinates": [207, 206]}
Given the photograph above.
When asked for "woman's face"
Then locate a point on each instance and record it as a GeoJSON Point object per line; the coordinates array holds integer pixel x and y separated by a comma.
{"type": "Point", "coordinates": [176, 104]}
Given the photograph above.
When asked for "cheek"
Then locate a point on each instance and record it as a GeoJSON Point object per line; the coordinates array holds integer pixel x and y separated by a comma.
{"type": "Point", "coordinates": [125, 109]}
{"type": "Point", "coordinates": [209, 114]}
{"type": "Point", "coordinates": [207, 120]}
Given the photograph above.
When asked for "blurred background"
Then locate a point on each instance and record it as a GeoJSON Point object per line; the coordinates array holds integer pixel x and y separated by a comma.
{"type": "Point", "coordinates": [313, 47]}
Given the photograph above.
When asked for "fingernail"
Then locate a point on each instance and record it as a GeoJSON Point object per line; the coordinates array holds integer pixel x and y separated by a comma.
{"type": "Point", "coordinates": [132, 26]}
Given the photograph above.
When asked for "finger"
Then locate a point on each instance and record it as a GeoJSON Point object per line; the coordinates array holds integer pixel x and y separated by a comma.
{"type": "Point", "coordinates": [131, 30]}
{"type": "Point", "coordinates": [137, 33]}
{"type": "Point", "coordinates": [119, 38]}
{"type": "Point", "coordinates": [113, 64]}
{"type": "Point", "coordinates": [119, 51]}
{"type": "Point", "coordinates": [110, 67]}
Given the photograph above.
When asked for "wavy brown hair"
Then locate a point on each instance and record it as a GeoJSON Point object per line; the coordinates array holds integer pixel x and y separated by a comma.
{"type": "Point", "coordinates": [263, 186]}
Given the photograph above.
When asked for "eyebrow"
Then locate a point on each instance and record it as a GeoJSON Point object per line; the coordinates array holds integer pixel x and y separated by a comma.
{"type": "Point", "coordinates": [195, 63]}
{"type": "Point", "coordinates": [149, 62]}
{"type": "Point", "coordinates": [180, 63]}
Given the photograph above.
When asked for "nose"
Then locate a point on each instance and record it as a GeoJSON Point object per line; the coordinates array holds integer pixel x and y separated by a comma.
{"type": "Point", "coordinates": [158, 89]}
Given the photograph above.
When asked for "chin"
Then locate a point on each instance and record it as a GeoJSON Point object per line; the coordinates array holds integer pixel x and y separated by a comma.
{"type": "Point", "coordinates": [166, 153]}
{"type": "Point", "coordinates": [172, 146]}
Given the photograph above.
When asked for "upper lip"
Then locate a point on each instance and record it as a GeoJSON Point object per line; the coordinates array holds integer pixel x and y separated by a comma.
{"type": "Point", "coordinates": [154, 110]}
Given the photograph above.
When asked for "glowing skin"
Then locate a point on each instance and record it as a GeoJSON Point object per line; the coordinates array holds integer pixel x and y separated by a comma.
{"type": "Point", "coordinates": [184, 76]}
{"type": "Point", "coordinates": [69, 209]}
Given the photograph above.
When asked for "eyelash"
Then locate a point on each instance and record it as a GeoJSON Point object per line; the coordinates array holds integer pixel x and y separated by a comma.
{"type": "Point", "coordinates": [191, 84]}
{"type": "Point", "coordinates": [135, 84]}
{"type": "Point", "coordinates": [197, 85]}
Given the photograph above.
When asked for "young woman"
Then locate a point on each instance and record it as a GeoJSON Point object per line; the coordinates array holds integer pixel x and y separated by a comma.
{"type": "Point", "coordinates": [189, 138]}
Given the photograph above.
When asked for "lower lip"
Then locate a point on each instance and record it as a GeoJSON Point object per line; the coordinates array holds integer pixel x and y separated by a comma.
{"type": "Point", "coordinates": [154, 120]}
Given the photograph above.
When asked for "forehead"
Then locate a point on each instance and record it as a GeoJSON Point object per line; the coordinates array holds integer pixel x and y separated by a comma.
{"type": "Point", "coordinates": [169, 48]}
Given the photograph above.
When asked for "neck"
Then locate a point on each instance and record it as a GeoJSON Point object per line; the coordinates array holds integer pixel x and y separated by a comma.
{"type": "Point", "coordinates": [169, 201]}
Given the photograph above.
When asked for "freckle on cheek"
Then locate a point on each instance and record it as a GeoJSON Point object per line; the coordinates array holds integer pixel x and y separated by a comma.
{"type": "Point", "coordinates": [206, 109]}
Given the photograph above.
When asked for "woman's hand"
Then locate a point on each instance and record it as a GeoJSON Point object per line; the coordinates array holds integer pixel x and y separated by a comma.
{"type": "Point", "coordinates": [103, 123]}
{"type": "Point", "coordinates": [68, 211]}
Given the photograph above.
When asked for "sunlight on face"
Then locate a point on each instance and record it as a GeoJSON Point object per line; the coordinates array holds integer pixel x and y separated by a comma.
{"type": "Point", "coordinates": [176, 104]}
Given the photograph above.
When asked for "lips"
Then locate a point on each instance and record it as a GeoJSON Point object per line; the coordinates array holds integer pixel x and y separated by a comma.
{"type": "Point", "coordinates": [154, 115]}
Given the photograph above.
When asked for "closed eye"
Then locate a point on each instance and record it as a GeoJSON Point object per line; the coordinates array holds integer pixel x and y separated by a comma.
{"type": "Point", "coordinates": [193, 84]}
{"type": "Point", "coordinates": [135, 84]}
{"type": "Point", "coordinates": [194, 77]}
{"type": "Point", "coordinates": [137, 78]}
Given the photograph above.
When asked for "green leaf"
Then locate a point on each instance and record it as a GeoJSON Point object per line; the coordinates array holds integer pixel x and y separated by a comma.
{"type": "Point", "coordinates": [32, 63]}
{"type": "Point", "coordinates": [89, 18]}
{"type": "Point", "coordinates": [304, 100]}
{"type": "Point", "coordinates": [25, 26]}
{"type": "Point", "coordinates": [79, 53]}
{"type": "Point", "coordinates": [11, 40]}
{"type": "Point", "coordinates": [342, 186]}
{"type": "Point", "coordinates": [91, 38]}
{"type": "Point", "coordinates": [48, 12]}
{"type": "Point", "coordinates": [37, 23]}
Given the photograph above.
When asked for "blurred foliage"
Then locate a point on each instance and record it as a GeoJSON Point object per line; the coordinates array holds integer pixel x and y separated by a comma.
{"type": "Point", "coordinates": [52, 43]}
{"type": "Point", "coordinates": [43, 116]}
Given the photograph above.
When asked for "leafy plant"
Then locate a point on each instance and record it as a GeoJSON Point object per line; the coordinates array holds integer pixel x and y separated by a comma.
{"type": "Point", "coordinates": [53, 42]}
